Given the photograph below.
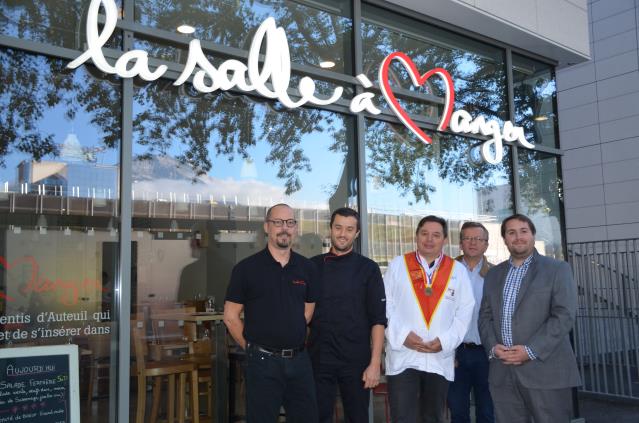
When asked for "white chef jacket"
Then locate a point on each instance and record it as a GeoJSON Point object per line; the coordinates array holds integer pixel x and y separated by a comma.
{"type": "Point", "coordinates": [449, 323]}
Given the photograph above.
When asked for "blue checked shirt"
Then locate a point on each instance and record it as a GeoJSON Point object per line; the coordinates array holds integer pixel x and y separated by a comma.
{"type": "Point", "coordinates": [511, 289]}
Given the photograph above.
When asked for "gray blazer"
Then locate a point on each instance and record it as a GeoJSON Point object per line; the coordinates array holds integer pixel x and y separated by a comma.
{"type": "Point", "coordinates": [543, 317]}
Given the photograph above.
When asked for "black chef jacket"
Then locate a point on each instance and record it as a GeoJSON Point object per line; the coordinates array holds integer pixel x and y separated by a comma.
{"type": "Point", "coordinates": [351, 301]}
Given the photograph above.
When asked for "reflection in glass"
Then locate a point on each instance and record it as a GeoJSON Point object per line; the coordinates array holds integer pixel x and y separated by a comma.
{"type": "Point", "coordinates": [205, 170]}
{"type": "Point", "coordinates": [316, 32]}
{"type": "Point", "coordinates": [407, 180]}
{"type": "Point", "coordinates": [478, 70]}
{"type": "Point", "coordinates": [541, 199]}
{"type": "Point", "coordinates": [59, 170]}
{"type": "Point", "coordinates": [535, 98]}
{"type": "Point", "coordinates": [324, 88]}
{"type": "Point", "coordinates": [60, 23]}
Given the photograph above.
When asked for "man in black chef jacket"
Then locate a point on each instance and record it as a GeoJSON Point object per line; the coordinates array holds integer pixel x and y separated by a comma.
{"type": "Point", "coordinates": [347, 330]}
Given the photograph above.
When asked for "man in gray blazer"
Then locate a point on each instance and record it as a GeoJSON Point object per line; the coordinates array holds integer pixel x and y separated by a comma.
{"type": "Point", "coordinates": [527, 311]}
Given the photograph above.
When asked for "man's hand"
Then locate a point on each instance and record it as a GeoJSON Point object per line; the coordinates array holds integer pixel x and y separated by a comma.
{"type": "Point", "coordinates": [515, 355]}
{"type": "Point", "coordinates": [414, 342]}
{"type": "Point", "coordinates": [433, 346]}
{"type": "Point", "coordinates": [371, 376]}
{"type": "Point", "coordinates": [499, 350]}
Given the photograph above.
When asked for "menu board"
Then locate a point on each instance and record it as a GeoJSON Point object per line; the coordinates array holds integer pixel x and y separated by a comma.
{"type": "Point", "coordinates": [39, 384]}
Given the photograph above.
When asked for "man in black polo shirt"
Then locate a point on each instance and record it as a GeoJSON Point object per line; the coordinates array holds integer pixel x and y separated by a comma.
{"type": "Point", "coordinates": [276, 289]}
{"type": "Point", "coordinates": [347, 331]}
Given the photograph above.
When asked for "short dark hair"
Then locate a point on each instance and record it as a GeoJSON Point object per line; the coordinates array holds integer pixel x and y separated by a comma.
{"type": "Point", "coordinates": [436, 219]}
{"type": "Point", "coordinates": [468, 225]}
{"type": "Point", "coordinates": [345, 212]}
{"type": "Point", "coordinates": [521, 218]}
{"type": "Point", "coordinates": [270, 209]}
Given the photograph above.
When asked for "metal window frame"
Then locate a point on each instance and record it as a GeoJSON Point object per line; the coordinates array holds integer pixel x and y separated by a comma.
{"type": "Point", "coordinates": [119, 407]}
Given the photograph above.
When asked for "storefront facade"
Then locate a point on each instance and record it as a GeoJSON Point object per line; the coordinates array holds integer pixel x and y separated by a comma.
{"type": "Point", "coordinates": [126, 193]}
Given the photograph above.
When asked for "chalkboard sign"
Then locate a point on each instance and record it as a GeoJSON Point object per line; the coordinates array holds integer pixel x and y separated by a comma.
{"type": "Point", "coordinates": [39, 384]}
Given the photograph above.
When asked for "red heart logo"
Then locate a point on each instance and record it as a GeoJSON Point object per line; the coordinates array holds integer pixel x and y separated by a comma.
{"type": "Point", "coordinates": [418, 80]}
{"type": "Point", "coordinates": [17, 262]}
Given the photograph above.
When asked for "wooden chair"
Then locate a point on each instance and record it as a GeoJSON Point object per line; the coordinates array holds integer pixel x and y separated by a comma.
{"type": "Point", "coordinates": [100, 360]}
{"type": "Point", "coordinates": [157, 371]}
{"type": "Point", "coordinates": [201, 353]}
{"type": "Point", "coordinates": [169, 331]}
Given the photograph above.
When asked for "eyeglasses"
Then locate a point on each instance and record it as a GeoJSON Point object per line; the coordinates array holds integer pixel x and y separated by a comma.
{"type": "Point", "coordinates": [473, 239]}
{"type": "Point", "coordinates": [290, 223]}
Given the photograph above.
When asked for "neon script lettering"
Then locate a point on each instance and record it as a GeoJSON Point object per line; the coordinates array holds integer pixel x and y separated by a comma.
{"type": "Point", "coordinates": [276, 69]}
{"type": "Point", "coordinates": [67, 292]}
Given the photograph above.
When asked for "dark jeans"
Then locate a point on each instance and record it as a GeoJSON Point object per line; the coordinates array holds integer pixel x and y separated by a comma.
{"type": "Point", "coordinates": [328, 376]}
{"type": "Point", "coordinates": [273, 382]}
{"type": "Point", "coordinates": [471, 373]}
{"type": "Point", "coordinates": [417, 396]}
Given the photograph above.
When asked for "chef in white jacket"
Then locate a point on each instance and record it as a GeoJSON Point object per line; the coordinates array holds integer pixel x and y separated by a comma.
{"type": "Point", "coordinates": [429, 305]}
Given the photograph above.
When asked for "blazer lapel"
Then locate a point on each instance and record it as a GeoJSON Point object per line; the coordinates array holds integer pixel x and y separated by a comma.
{"type": "Point", "coordinates": [528, 278]}
{"type": "Point", "coordinates": [501, 281]}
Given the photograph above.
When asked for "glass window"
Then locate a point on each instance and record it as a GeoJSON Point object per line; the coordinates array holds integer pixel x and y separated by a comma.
{"type": "Point", "coordinates": [407, 180]}
{"type": "Point", "coordinates": [59, 169]}
{"type": "Point", "coordinates": [60, 22]}
{"type": "Point", "coordinates": [477, 69]}
{"type": "Point", "coordinates": [317, 32]}
{"type": "Point", "coordinates": [542, 198]}
{"type": "Point", "coordinates": [205, 170]}
{"type": "Point", "coordinates": [535, 100]}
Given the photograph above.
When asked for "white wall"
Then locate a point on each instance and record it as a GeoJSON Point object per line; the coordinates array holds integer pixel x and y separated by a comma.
{"type": "Point", "coordinates": [556, 29]}
{"type": "Point", "coordinates": [599, 128]}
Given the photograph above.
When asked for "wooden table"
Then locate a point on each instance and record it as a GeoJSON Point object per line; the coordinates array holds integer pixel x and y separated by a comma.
{"type": "Point", "coordinates": [221, 361]}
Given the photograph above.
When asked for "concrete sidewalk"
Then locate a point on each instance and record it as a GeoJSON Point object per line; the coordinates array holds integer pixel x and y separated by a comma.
{"type": "Point", "coordinates": [603, 410]}
{"type": "Point", "coordinates": [594, 409]}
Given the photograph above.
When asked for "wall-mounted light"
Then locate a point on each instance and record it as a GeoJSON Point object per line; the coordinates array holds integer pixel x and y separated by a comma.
{"type": "Point", "coordinates": [186, 29]}
{"type": "Point", "coordinates": [42, 224]}
{"type": "Point", "coordinates": [111, 228]}
{"type": "Point", "coordinates": [327, 64]}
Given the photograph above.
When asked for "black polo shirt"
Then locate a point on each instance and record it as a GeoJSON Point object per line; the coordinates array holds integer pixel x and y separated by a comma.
{"type": "Point", "coordinates": [351, 302]}
{"type": "Point", "coordinates": [273, 297]}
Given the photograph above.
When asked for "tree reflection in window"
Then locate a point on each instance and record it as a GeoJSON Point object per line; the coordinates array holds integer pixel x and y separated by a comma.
{"type": "Point", "coordinates": [535, 94]}
{"type": "Point", "coordinates": [478, 70]}
{"type": "Point", "coordinates": [316, 32]}
{"type": "Point", "coordinates": [395, 158]}
{"type": "Point", "coordinates": [33, 85]}
{"type": "Point", "coordinates": [59, 22]}
{"type": "Point", "coordinates": [195, 129]}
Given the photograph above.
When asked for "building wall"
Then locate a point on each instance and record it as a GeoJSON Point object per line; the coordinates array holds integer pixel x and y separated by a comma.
{"type": "Point", "coordinates": [555, 29]}
{"type": "Point", "coordinates": [598, 105]}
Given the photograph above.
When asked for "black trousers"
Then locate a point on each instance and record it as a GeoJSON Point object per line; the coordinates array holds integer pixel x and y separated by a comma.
{"type": "Point", "coordinates": [273, 382]}
{"type": "Point", "coordinates": [348, 377]}
{"type": "Point", "coordinates": [417, 396]}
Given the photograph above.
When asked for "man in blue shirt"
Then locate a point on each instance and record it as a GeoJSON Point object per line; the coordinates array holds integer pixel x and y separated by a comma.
{"type": "Point", "coordinates": [471, 360]}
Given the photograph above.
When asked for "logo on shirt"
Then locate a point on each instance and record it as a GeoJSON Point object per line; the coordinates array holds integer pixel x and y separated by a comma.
{"type": "Point", "coordinates": [416, 274]}
{"type": "Point", "coordinates": [298, 282]}
{"type": "Point", "coordinates": [451, 292]}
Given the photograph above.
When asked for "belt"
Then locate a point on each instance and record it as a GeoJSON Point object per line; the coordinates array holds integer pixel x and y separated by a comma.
{"type": "Point", "coordinates": [470, 345]}
{"type": "Point", "coordinates": [284, 353]}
